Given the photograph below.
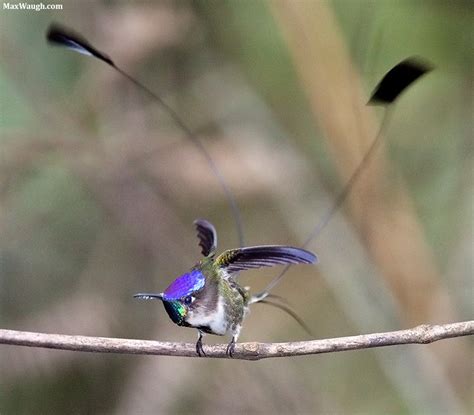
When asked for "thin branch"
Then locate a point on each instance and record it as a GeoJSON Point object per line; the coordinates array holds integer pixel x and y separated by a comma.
{"type": "Point", "coordinates": [246, 351]}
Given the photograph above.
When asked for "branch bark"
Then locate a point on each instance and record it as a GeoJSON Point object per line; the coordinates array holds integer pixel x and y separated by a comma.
{"type": "Point", "coordinates": [245, 351]}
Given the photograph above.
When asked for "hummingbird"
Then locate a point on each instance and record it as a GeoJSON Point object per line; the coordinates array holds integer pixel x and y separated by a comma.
{"type": "Point", "coordinates": [209, 297]}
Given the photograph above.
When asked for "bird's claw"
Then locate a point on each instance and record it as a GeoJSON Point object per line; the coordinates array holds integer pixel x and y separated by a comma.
{"type": "Point", "coordinates": [199, 350]}
{"type": "Point", "coordinates": [230, 348]}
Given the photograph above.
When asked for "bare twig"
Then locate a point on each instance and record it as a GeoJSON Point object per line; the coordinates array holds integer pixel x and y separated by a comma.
{"type": "Point", "coordinates": [246, 351]}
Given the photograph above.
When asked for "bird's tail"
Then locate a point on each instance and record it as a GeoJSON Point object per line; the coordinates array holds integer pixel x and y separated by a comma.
{"type": "Point", "coordinates": [266, 298]}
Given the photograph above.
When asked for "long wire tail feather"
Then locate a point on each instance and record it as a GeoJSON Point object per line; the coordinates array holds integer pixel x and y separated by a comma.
{"type": "Point", "coordinates": [386, 93]}
{"type": "Point", "coordinates": [256, 298]}
{"type": "Point", "coordinates": [61, 36]}
{"type": "Point", "coordinates": [287, 309]}
{"type": "Point", "coordinates": [337, 203]}
{"type": "Point", "coordinates": [398, 79]}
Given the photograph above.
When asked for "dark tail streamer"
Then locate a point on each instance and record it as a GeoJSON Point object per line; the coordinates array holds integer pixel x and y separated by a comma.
{"type": "Point", "coordinates": [288, 310]}
{"type": "Point", "coordinates": [336, 205]}
{"type": "Point", "coordinates": [61, 36]}
{"type": "Point", "coordinates": [386, 93]}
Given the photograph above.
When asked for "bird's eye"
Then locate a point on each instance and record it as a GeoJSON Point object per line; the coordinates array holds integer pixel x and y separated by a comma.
{"type": "Point", "coordinates": [188, 300]}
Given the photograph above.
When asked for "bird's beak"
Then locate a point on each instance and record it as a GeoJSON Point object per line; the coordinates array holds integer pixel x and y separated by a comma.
{"type": "Point", "coordinates": [175, 309]}
{"type": "Point", "coordinates": [149, 296]}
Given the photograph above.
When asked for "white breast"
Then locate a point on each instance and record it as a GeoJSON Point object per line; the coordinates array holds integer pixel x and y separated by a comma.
{"type": "Point", "coordinates": [216, 320]}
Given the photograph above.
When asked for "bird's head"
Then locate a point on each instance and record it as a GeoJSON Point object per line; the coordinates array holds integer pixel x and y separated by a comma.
{"type": "Point", "coordinates": [180, 295]}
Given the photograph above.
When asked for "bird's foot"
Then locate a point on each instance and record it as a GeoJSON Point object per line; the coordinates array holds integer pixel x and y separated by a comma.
{"type": "Point", "coordinates": [199, 350]}
{"type": "Point", "coordinates": [230, 348]}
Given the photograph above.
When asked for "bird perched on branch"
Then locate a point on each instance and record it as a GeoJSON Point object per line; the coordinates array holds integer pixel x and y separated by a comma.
{"type": "Point", "coordinates": [209, 298]}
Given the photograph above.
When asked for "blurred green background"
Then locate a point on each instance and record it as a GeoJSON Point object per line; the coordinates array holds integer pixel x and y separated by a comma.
{"type": "Point", "coordinates": [98, 191]}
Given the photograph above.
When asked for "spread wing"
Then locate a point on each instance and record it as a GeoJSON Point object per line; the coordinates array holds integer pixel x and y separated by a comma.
{"type": "Point", "coordinates": [207, 236]}
{"type": "Point", "coordinates": [235, 260]}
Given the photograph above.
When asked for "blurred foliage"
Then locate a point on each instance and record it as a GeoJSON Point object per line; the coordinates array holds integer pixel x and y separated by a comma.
{"type": "Point", "coordinates": [99, 189]}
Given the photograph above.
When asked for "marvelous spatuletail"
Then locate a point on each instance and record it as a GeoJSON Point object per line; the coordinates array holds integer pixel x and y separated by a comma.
{"type": "Point", "coordinates": [209, 298]}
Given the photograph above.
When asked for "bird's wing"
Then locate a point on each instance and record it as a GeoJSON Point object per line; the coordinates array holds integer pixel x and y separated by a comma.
{"type": "Point", "coordinates": [235, 260]}
{"type": "Point", "coordinates": [207, 236]}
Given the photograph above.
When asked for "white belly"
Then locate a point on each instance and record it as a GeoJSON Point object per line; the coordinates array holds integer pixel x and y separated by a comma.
{"type": "Point", "coordinates": [215, 321]}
